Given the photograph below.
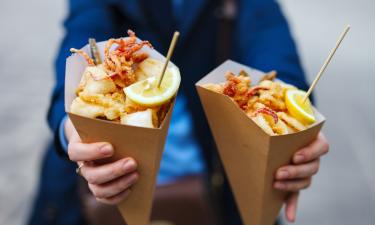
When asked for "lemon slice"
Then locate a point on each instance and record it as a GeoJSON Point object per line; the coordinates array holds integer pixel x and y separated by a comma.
{"type": "Point", "coordinates": [302, 111]}
{"type": "Point", "coordinates": [147, 93]}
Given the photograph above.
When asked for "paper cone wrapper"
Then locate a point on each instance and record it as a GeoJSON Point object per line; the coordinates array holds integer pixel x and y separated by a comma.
{"type": "Point", "coordinates": [250, 156]}
{"type": "Point", "coordinates": [145, 145]}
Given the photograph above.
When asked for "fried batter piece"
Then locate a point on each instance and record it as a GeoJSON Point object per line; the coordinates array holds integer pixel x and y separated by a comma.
{"type": "Point", "coordinates": [85, 109]}
{"type": "Point", "coordinates": [272, 96]}
{"type": "Point", "coordinates": [147, 68]}
{"type": "Point", "coordinates": [291, 121]}
{"type": "Point", "coordinates": [269, 76]}
{"type": "Point", "coordinates": [141, 118]}
{"type": "Point", "coordinates": [237, 87]}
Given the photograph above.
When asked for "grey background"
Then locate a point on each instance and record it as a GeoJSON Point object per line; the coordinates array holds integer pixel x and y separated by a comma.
{"type": "Point", "coordinates": [343, 193]}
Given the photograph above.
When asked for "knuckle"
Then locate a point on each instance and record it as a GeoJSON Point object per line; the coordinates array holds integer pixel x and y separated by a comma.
{"type": "Point", "coordinates": [121, 186]}
{"type": "Point", "coordinates": [117, 170]}
{"type": "Point", "coordinates": [97, 192]}
{"type": "Point", "coordinates": [309, 154]}
{"type": "Point", "coordinates": [91, 178]}
{"type": "Point", "coordinates": [291, 186]}
{"type": "Point", "coordinates": [315, 170]}
{"type": "Point", "coordinates": [293, 172]}
{"type": "Point", "coordinates": [93, 189]}
{"type": "Point", "coordinates": [316, 167]}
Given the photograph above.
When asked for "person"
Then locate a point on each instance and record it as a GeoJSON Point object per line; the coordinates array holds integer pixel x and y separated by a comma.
{"type": "Point", "coordinates": [258, 37]}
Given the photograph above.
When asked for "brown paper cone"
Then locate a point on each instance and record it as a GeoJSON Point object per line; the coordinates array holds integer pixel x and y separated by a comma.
{"type": "Point", "coordinates": [250, 156]}
{"type": "Point", "coordinates": [145, 145]}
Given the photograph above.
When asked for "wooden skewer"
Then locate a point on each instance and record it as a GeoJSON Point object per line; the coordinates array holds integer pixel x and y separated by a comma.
{"type": "Point", "coordinates": [328, 60]}
{"type": "Point", "coordinates": [169, 55]}
{"type": "Point", "coordinates": [94, 51]}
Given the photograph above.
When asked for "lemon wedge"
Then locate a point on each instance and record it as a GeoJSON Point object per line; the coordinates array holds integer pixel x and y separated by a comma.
{"type": "Point", "coordinates": [300, 110]}
{"type": "Point", "coordinates": [147, 93]}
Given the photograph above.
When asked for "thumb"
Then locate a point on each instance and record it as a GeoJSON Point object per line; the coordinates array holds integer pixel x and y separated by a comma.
{"type": "Point", "coordinates": [291, 206]}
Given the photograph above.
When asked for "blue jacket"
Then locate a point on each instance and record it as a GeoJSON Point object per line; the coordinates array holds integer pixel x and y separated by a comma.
{"type": "Point", "coordinates": [260, 39]}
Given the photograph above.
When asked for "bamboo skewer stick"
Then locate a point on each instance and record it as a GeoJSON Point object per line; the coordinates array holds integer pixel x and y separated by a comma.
{"type": "Point", "coordinates": [94, 51]}
{"type": "Point", "coordinates": [324, 67]}
{"type": "Point", "coordinates": [169, 55]}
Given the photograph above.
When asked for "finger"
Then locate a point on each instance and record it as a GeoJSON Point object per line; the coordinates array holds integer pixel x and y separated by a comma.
{"type": "Point", "coordinates": [293, 185]}
{"type": "Point", "coordinates": [312, 151]}
{"type": "Point", "coordinates": [70, 132]}
{"type": "Point", "coordinates": [291, 207]}
{"type": "Point", "coordinates": [298, 171]}
{"type": "Point", "coordinates": [104, 173]}
{"type": "Point", "coordinates": [114, 187]}
{"type": "Point", "coordinates": [115, 199]}
{"type": "Point", "coordinates": [78, 151]}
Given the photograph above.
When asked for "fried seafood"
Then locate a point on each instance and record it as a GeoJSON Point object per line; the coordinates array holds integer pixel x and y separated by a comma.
{"type": "Point", "coordinates": [121, 60]}
{"type": "Point", "coordinates": [133, 119]}
{"type": "Point", "coordinates": [264, 102]}
{"type": "Point", "coordinates": [237, 87]}
{"type": "Point", "coordinates": [100, 92]}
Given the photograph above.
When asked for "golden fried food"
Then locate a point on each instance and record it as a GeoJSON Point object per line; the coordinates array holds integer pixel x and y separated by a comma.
{"type": "Point", "coordinates": [261, 122]}
{"type": "Point", "coordinates": [85, 109]}
{"type": "Point", "coordinates": [291, 121]}
{"type": "Point", "coordinates": [215, 87]}
{"type": "Point", "coordinates": [131, 107]}
{"type": "Point", "coordinates": [100, 93]}
{"type": "Point", "coordinates": [237, 87]}
{"type": "Point", "coordinates": [264, 103]}
{"type": "Point", "coordinates": [148, 67]}
{"type": "Point", "coordinates": [120, 61]}
{"type": "Point", "coordinates": [269, 76]}
{"type": "Point", "coordinates": [142, 118]}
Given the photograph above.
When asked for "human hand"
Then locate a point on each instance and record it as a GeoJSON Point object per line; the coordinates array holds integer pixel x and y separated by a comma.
{"type": "Point", "coordinates": [298, 175]}
{"type": "Point", "coordinates": [110, 183]}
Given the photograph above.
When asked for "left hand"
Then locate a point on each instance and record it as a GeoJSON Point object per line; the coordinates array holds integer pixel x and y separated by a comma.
{"type": "Point", "coordinates": [298, 175]}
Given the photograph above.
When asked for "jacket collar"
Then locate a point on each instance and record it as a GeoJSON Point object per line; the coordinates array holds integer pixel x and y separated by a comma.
{"type": "Point", "coordinates": [158, 13]}
{"type": "Point", "coordinates": [191, 14]}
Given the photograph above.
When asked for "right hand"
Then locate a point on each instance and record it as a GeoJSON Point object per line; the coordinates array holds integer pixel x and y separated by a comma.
{"type": "Point", "coordinates": [110, 183]}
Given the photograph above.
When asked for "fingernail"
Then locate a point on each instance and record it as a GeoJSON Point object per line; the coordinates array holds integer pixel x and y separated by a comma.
{"type": "Point", "coordinates": [299, 158]}
{"type": "Point", "coordinates": [106, 149]}
{"type": "Point", "coordinates": [282, 174]}
{"type": "Point", "coordinates": [129, 165]}
{"type": "Point", "coordinates": [279, 185]}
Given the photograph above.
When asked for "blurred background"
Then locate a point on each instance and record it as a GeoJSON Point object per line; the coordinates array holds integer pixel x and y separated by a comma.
{"type": "Point", "coordinates": [342, 194]}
